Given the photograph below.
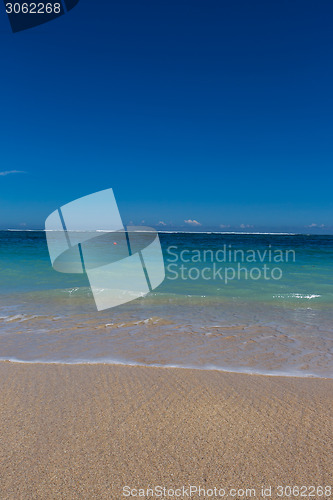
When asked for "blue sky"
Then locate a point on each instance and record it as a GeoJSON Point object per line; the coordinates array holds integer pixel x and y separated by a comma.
{"type": "Point", "coordinates": [212, 112]}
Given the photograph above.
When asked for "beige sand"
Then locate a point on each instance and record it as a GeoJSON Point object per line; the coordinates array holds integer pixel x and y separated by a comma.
{"type": "Point", "coordinates": [85, 431]}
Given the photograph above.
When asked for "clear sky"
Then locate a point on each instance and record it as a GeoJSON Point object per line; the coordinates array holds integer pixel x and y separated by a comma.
{"type": "Point", "coordinates": [216, 112]}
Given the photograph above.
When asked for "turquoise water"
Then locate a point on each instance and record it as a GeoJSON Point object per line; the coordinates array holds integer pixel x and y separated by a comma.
{"type": "Point", "coordinates": [217, 307]}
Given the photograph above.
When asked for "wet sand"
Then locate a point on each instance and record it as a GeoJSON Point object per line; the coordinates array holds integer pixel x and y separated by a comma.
{"type": "Point", "coordinates": [85, 431]}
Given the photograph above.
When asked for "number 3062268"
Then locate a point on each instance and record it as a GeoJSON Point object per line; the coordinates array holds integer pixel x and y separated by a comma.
{"type": "Point", "coordinates": [33, 8]}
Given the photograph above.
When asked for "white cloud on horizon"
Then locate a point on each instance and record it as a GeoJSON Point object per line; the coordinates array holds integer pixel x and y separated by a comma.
{"type": "Point", "coordinates": [161, 223]}
{"type": "Point", "coordinates": [192, 222]}
{"type": "Point", "coordinates": [246, 226]}
{"type": "Point", "coordinates": [8, 172]}
{"type": "Point", "coordinates": [315, 225]}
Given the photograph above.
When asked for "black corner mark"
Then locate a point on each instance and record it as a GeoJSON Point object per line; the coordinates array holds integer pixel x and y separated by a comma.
{"type": "Point", "coordinates": [26, 14]}
{"type": "Point", "coordinates": [70, 4]}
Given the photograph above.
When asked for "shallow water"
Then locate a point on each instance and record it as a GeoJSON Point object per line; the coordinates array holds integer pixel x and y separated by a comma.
{"type": "Point", "coordinates": [275, 326]}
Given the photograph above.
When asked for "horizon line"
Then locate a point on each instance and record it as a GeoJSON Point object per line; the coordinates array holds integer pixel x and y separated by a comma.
{"type": "Point", "coordinates": [284, 233]}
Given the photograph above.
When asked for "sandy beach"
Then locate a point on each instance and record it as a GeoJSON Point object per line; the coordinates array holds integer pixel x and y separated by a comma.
{"type": "Point", "coordinates": [86, 431]}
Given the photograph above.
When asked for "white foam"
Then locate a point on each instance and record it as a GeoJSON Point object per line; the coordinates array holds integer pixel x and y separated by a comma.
{"type": "Point", "coordinates": [107, 361]}
{"type": "Point", "coordinates": [308, 296]}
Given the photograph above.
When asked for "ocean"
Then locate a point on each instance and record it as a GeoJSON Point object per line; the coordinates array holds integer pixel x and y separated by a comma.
{"type": "Point", "coordinates": [251, 303]}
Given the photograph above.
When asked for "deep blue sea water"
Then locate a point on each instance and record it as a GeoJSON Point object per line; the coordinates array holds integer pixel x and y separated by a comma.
{"type": "Point", "coordinates": [217, 308]}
